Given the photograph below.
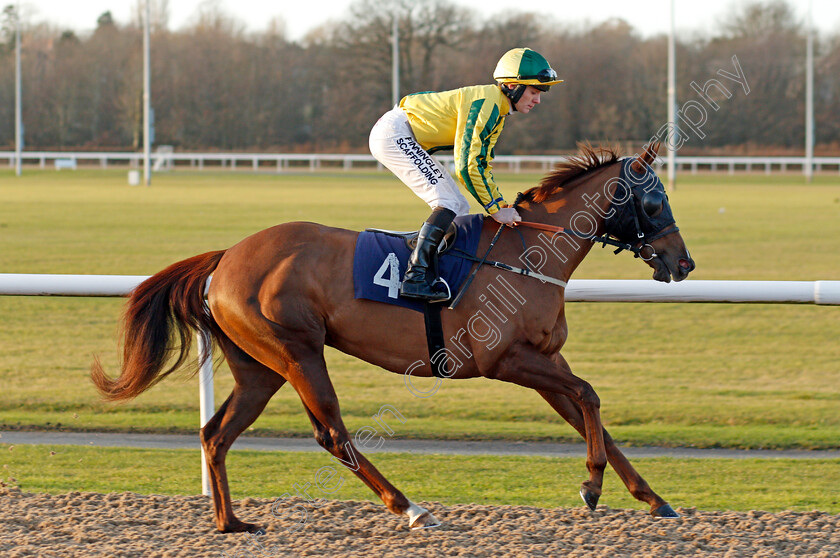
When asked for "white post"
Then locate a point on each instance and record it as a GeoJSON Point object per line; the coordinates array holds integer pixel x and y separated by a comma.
{"type": "Point", "coordinates": [18, 109]}
{"type": "Point", "coordinates": [147, 145]}
{"type": "Point", "coordinates": [809, 98]}
{"type": "Point", "coordinates": [672, 101]}
{"type": "Point", "coordinates": [205, 401]}
{"type": "Point", "coordinates": [395, 62]}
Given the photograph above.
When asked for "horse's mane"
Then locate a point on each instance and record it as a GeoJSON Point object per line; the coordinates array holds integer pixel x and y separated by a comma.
{"type": "Point", "coordinates": [587, 159]}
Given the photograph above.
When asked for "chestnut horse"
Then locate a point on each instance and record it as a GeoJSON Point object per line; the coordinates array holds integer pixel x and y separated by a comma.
{"type": "Point", "coordinates": [279, 296]}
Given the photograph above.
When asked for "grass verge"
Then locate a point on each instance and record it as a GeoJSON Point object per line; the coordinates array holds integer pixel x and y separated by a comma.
{"type": "Point", "coordinates": [707, 484]}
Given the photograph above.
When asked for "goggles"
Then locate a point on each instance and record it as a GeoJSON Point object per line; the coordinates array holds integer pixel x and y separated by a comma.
{"type": "Point", "coordinates": [544, 76]}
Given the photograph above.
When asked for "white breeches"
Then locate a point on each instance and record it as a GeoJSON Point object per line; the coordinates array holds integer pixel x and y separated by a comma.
{"type": "Point", "coordinates": [392, 143]}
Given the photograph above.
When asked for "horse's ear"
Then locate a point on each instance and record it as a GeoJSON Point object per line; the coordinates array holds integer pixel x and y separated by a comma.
{"type": "Point", "coordinates": [648, 156]}
{"type": "Point", "coordinates": [650, 152]}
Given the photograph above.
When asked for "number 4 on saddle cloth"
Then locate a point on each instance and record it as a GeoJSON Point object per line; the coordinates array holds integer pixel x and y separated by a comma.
{"type": "Point", "coordinates": [381, 259]}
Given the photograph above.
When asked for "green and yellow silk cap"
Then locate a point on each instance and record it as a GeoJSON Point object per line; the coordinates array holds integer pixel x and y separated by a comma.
{"type": "Point", "coordinates": [526, 67]}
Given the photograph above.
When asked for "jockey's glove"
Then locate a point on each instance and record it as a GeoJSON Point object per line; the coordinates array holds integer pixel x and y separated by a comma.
{"type": "Point", "coordinates": [507, 216]}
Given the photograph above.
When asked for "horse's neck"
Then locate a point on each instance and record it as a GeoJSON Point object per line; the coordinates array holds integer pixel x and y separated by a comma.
{"type": "Point", "coordinates": [581, 207]}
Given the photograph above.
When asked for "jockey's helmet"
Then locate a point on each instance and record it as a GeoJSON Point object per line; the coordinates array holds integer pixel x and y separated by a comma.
{"type": "Point", "coordinates": [523, 67]}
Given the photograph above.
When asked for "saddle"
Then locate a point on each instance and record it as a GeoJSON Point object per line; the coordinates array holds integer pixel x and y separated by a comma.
{"type": "Point", "coordinates": [380, 281]}
{"type": "Point", "coordinates": [410, 237]}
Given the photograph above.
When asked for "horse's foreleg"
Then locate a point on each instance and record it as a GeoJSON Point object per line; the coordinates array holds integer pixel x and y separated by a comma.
{"type": "Point", "coordinates": [255, 385]}
{"type": "Point", "coordinates": [321, 403]}
{"type": "Point", "coordinates": [634, 482]}
{"type": "Point", "coordinates": [532, 369]}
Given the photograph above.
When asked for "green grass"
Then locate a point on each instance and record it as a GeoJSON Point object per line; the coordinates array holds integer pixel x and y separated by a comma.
{"type": "Point", "coordinates": [708, 484]}
{"type": "Point", "coordinates": [674, 374]}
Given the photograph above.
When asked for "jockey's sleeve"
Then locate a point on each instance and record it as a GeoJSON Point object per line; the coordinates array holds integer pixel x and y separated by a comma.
{"type": "Point", "coordinates": [480, 120]}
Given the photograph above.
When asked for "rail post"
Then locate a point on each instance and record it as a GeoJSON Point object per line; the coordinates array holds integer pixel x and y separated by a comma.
{"type": "Point", "coordinates": [205, 398]}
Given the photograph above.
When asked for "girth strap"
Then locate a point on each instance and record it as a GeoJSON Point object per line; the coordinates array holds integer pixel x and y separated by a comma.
{"type": "Point", "coordinates": [434, 337]}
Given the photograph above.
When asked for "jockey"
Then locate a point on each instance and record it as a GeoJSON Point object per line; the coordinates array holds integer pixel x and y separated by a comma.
{"type": "Point", "coordinates": [469, 121]}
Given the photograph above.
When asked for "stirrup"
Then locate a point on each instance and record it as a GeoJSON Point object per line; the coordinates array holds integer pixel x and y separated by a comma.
{"type": "Point", "coordinates": [432, 295]}
{"type": "Point", "coordinates": [445, 284]}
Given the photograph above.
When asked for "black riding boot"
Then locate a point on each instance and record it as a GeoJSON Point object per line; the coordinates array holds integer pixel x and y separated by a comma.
{"type": "Point", "coordinates": [420, 277]}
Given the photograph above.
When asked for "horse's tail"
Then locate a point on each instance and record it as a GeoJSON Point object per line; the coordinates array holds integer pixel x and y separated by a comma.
{"type": "Point", "coordinates": [163, 310]}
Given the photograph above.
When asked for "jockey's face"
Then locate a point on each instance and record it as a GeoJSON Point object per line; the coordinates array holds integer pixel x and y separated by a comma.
{"type": "Point", "coordinates": [530, 98]}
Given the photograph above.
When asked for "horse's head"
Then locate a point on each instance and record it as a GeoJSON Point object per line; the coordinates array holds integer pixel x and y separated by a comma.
{"type": "Point", "coordinates": [633, 213]}
{"type": "Point", "coordinates": [641, 216]}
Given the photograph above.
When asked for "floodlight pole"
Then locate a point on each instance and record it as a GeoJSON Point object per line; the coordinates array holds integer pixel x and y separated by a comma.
{"type": "Point", "coordinates": [395, 62]}
{"type": "Point", "coordinates": [809, 97]}
{"type": "Point", "coordinates": [147, 144]}
{"type": "Point", "coordinates": [672, 102]}
{"type": "Point", "coordinates": [18, 101]}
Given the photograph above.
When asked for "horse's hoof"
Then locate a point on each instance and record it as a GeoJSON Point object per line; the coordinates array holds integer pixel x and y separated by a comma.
{"type": "Point", "coordinates": [424, 521]}
{"type": "Point", "coordinates": [242, 527]}
{"type": "Point", "coordinates": [664, 511]}
{"type": "Point", "coordinates": [590, 497]}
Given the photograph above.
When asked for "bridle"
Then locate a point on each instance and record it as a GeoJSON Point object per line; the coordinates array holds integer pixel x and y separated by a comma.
{"type": "Point", "coordinates": [615, 224]}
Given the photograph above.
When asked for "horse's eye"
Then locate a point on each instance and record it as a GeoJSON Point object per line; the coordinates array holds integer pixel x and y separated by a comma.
{"type": "Point", "coordinates": [652, 203]}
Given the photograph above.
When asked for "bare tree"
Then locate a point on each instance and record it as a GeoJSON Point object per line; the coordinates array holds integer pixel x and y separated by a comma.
{"type": "Point", "coordinates": [216, 86]}
{"type": "Point", "coordinates": [757, 19]}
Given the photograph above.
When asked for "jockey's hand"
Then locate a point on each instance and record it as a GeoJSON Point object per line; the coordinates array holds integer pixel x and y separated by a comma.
{"type": "Point", "coordinates": [507, 216]}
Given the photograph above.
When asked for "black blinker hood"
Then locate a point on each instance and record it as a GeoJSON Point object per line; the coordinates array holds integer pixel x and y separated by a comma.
{"type": "Point", "coordinates": [627, 219]}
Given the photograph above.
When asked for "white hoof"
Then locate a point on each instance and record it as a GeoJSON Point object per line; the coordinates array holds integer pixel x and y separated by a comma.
{"type": "Point", "coordinates": [420, 518]}
{"type": "Point", "coordinates": [425, 521]}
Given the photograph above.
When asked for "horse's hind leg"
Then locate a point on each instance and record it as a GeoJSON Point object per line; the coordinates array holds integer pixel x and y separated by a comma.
{"type": "Point", "coordinates": [308, 375]}
{"type": "Point", "coordinates": [634, 482]}
{"type": "Point", "coordinates": [255, 385]}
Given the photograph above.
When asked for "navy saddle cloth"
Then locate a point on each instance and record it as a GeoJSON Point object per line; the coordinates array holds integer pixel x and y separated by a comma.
{"type": "Point", "coordinates": [381, 260]}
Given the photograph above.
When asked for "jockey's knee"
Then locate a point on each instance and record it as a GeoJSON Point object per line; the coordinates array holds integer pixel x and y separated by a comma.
{"type": "Point", "coordinates": [463, 208]}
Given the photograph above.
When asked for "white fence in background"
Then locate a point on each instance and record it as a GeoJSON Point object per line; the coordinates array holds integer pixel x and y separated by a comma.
{"type": "Point", "coordinates": [284, 162]}
{"type": "Point", "coordinates": [578, 290]}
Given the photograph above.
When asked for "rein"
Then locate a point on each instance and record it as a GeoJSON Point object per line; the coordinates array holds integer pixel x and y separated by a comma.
{"type": "Point", "coordinates": [603, 240]}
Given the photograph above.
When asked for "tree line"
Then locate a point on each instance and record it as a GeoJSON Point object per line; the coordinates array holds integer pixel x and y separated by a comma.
{"type": "Point", "coordinates": [217, 87]}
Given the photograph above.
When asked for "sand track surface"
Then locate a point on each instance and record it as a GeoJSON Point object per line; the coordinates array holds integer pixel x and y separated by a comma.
{"type": "Point", "coordinates": [132, 525]}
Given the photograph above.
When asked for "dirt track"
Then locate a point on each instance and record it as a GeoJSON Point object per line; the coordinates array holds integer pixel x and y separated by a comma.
{"type": "Point", "coordinates": [131, 525]}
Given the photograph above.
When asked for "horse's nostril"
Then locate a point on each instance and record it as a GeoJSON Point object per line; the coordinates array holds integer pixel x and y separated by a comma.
{"type": "Point", "coordinates": [687, 265]}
